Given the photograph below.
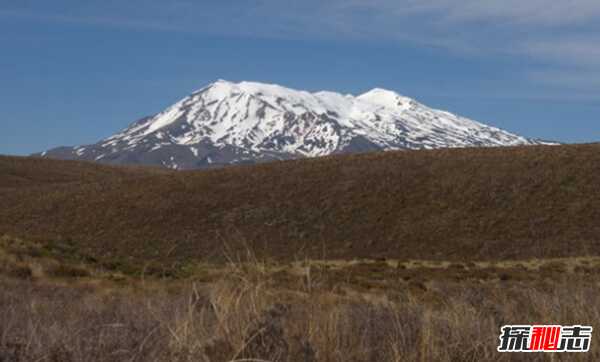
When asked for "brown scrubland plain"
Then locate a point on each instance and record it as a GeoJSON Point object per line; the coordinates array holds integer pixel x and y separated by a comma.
{"type": "Point", "coordinates": [400, 256]}
{"type": "Point", "coordinates": [251, 310]}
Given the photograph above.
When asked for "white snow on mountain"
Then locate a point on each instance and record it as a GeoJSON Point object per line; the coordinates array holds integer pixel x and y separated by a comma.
{"type": "Point", "coordinates": [227, 122]}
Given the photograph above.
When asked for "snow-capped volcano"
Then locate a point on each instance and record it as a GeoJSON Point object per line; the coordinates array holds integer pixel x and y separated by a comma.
{"type": "Point", "coordinates": [247, 122]}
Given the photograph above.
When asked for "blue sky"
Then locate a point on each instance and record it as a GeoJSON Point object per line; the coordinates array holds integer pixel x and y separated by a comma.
{"type": "Point", "coordinates": [75, 71]}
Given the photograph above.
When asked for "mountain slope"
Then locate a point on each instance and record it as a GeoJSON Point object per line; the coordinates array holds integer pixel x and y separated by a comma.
{"type": "Point", "coordinates": [228, 123]}
{"type": "Point", "coordinates": [449, 204]}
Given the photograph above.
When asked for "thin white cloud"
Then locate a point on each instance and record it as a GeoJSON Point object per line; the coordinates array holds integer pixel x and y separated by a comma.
{"type": "Point", "coordinates": [578, 51]}
{"type": "Point", "coordinates": [557, 33]}
{"type": "Point", "coordinates": [114, 22]}
{"type": "Point", "coordinates": [525, 12]}
{"type": "Point", "coordinates": [569, 79]}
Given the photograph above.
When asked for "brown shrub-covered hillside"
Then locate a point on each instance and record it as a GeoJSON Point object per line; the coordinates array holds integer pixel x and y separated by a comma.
{"type": "Point", "coordinates": [499, 203]}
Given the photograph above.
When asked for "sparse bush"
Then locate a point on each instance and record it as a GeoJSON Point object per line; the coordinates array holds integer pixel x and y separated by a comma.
{"type": "Point", "coordinates": [68, 271]}
{"type": "Point", "coordinates": [21, 271]}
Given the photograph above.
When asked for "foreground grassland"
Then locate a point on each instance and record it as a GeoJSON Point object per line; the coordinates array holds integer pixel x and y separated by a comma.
{"type": "Point", "coordinates": [57, 306]}
{"type": "Point", "coordinates": [394, 256]}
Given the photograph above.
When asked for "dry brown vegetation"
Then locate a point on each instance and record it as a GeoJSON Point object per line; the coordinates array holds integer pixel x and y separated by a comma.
{"type": "Point", "coordinates": [399, 256]}
{"type": "Point", "coordinates": [249, 316]}
{"type": "Point", "coordinates": [362, 310]}
{"type": "Point", "coordinates": [455, 205]}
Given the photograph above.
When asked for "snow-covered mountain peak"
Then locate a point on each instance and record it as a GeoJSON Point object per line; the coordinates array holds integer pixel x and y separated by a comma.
{"type": "Point", "coordinates": [227, 122]}
{"type": "Point", "coordinates": [386, 98]}
{"type": "Point", "coordinates": [221, 87]}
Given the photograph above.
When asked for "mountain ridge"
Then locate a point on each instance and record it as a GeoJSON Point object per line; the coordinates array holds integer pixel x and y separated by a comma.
{"type": "Point", "coordinates": [249, 122]}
